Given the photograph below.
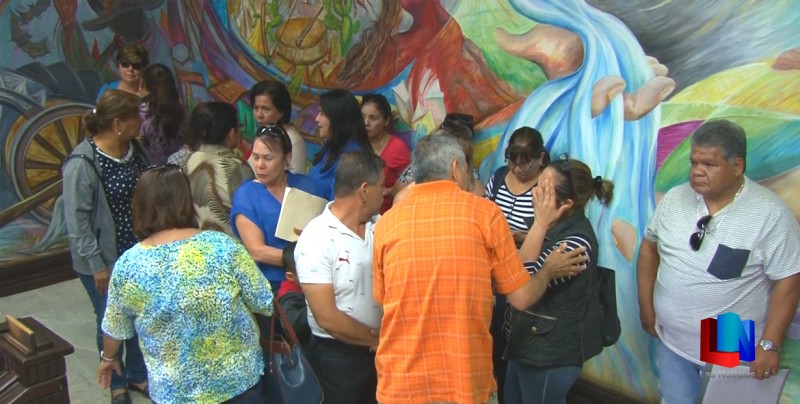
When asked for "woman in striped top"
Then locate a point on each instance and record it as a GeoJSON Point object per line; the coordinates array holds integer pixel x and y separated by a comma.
{"type": "Point", "coordinates": [511, 185]}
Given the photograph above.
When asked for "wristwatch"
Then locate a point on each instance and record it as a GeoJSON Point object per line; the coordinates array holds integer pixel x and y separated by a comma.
{"type": "Point", "coordinates": [767, 345]}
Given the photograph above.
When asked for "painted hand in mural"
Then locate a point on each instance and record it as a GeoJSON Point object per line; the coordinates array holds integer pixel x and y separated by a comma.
{"type": "Point", "coordinates": [560, 52]}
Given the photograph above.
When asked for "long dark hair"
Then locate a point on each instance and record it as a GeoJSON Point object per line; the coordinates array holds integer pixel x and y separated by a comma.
{"type": "Point", "coordinates": [344, 113]}
{"type": "Point", "coordinates": [163, 101]}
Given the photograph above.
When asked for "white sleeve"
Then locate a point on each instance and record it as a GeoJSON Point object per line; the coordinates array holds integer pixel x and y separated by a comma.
{"type": "Point", "coordinates": [314, 256]}
{"type": "Point", "coordinates": [781, 247]}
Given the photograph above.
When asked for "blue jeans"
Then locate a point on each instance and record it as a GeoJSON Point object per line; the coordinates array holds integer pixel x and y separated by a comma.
{"type": "Point", "coordinates": [532, 385]}
{"type": "Point", "coordinates": [133, 368]}
{"type": "Point", "coordinates": [678, 379]}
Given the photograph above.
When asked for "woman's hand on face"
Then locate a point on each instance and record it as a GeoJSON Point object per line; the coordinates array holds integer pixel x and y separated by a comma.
{"type": "Point", "coordinates": [545, 205]}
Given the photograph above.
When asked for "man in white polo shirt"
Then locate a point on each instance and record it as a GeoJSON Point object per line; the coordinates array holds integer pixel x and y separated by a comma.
{"type": "Point", "coordinates": [721, 243]}
{"type": "Point", "coordinates": [334, 264]}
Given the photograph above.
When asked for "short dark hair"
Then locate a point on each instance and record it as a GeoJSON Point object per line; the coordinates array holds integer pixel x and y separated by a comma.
{"type": "Point", "coordinates": [162, 200]}
{"type": "Point", "coordinates": [287, 256]}
{"type": "Point", "coordinates": [526, 144]}
{"type": "Point", "coordinates": [356, 168]}
{"type": "Point", "coordinates": [211, 122]}
{"type": "Point", "coordinates": [277, 93]}
{"type": "Point", "coordinates": [728, 136]}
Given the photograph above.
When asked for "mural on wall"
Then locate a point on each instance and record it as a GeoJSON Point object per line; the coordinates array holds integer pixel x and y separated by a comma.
{"type": "Point", "coordinates": [615, 84]}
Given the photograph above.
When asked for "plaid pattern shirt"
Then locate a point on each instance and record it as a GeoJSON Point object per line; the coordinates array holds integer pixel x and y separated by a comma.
{"type": "Point", "coordinates": [438, 255]}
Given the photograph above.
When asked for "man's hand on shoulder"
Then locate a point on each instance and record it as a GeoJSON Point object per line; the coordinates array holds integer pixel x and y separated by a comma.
{"type": "Point", "coordinates": [562, 264]}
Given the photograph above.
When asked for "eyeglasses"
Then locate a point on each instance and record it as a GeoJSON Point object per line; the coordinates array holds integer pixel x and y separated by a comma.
{"type": "Point", "coordinates": [524, 166]}
{"type": "Point", "coordinates": [126, 64]}
{"type": "Point", "coordinates": [696, 240]}
{"type": "Point", "coordinates": [566, 169]}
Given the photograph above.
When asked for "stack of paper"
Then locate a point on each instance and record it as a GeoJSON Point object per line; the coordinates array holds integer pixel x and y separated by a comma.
{"type": "Point", "coordinates": [297, 209]}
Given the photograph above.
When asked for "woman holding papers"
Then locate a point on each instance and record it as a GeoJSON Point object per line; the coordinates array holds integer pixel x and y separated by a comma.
{"type": "Point", "coordinates": [342, 129]}
{"type": "Point", "coordinates": [257, 204]}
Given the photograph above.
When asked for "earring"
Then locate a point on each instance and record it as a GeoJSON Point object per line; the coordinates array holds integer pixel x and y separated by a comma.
{"type": "Point", "coordinates": [119, 133]}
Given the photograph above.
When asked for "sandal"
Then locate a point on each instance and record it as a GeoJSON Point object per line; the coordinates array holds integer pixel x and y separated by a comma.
{"type": "Point", "coordinates": [144, 391]}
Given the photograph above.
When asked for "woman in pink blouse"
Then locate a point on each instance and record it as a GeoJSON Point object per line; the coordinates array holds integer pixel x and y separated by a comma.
{"type": "Point", "coordinates": [394, 152]}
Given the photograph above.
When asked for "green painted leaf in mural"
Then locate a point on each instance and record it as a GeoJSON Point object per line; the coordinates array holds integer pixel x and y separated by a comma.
{"type": "Point", "coordinates": [332, 23]}
{"type": "Point", "coordinates": [338, 7]}
{"type": "Point", "coordinates": [276, 21]}
{"type": "Point", "coordinates": [347, 33]}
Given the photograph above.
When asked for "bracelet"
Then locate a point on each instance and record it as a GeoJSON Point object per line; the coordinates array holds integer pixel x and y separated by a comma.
{"type": "Point", "coordinates": [104, 359]}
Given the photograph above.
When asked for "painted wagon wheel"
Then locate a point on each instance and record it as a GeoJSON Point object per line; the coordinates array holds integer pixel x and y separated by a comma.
{"type": "Point", "coordinates": [39, 151]}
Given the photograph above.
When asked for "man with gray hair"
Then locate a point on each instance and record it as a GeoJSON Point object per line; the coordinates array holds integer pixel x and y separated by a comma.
{"type": "Point", "coordinates": [721, 243]}
{"type": "Point", "coordinates": [334, 264]}
{"type": "Point", "coordinates": [437, 257]}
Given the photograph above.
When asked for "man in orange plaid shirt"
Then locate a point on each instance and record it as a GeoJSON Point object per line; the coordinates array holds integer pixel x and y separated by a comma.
{"type": "Point", "coordinates": [437, 257]}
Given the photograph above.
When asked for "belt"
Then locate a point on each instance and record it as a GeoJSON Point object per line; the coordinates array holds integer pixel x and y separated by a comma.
{"type": "Point", "coordinates": [341, 346]}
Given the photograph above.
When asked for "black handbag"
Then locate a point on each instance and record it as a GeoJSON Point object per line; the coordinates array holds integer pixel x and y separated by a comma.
{"type": "Point", "coordinates": [608, 306]}
{"type": "Point", "coordinates": [288, 377]}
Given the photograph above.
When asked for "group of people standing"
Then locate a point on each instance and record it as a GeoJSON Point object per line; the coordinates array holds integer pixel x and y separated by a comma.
{"type": "Point", "coordinates": [416, 284]}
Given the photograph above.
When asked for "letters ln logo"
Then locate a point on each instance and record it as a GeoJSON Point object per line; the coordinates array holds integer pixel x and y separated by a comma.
{"type": "Point", "coordinates": [727, 340]}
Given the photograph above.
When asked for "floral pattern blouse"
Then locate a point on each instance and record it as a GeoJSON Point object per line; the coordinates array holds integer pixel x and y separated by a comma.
{"type": "Point", "coordinates": [191, 302]}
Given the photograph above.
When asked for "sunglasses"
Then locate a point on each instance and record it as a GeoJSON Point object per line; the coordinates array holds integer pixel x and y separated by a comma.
{"type": "Point", "coordinates": [524, 166]}
{"type": "Point", "coordinates": [126, 64]}
{"type": "Point", "coordinates": [272, 131]}
{"type": "Point", "coordinates": [696, 240]}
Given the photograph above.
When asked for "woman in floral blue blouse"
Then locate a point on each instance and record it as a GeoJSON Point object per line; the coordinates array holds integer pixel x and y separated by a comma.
{"type": "Point", "coordinates": [190, 295]}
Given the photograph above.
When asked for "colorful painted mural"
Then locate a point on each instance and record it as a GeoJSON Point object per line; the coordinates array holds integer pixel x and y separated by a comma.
{"type": "Point", "coordinates": [617, 84]}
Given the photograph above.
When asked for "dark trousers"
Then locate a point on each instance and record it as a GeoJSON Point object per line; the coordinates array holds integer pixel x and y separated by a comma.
{"type": "Point", "coordinates": [346, 372]}
{"type": "Point", "coordinates": [133, 368]}
{"type": "Point", "coordinates": [499, 344]}
{"type": "Point", "coordinates": [253, 395]}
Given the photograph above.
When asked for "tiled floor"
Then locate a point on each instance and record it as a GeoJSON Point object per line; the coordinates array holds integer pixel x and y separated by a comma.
{"type": "Point", "coordinates": [65, 309]}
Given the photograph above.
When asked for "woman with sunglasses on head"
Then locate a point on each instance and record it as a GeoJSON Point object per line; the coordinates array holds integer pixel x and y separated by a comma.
{"type": "Point", "coordinates": [549, 342]}
{"type": "Point", "coordinates": [257, 204]}
{"type": "Point", "coordinates": [377, 115]}
{"type": "Point", "coordinates": [272, 105]}
{"type": "Point", "coordinates": [99, 179]}
{"type": "Point", "coordinates": [190, 295]}
{"type": "Point", "coordinates": [131, 60]}
{"type": "Point", "coordinates": [342, 129]}
{"type": "Point", "coordinates": [511, 186]}
{"type": "Point", "coordinates": [214, 171]}
{"type": "Point", "coordinates": [163, 126]}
